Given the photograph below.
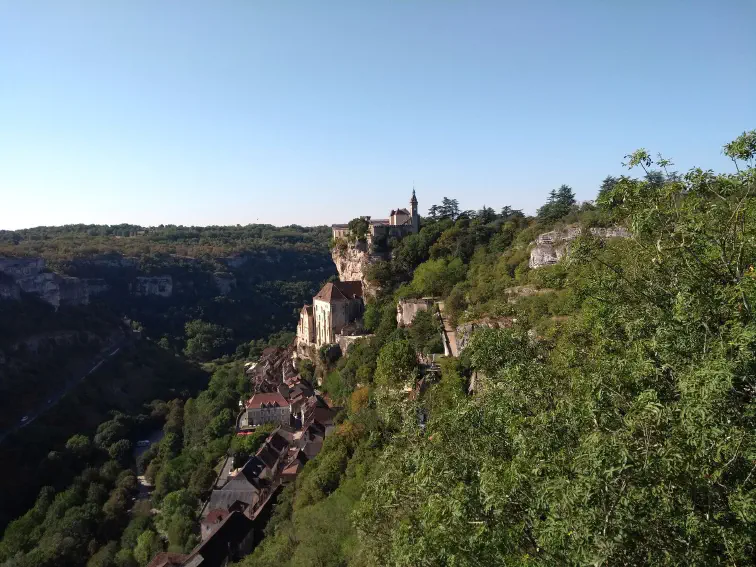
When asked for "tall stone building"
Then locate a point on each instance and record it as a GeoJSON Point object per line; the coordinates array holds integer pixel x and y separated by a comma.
{"type": "Point", "coordinates": [336, 306]}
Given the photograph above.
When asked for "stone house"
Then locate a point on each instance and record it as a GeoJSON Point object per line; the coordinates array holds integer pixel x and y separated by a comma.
{"type": "Point", "coordinates": [269, 407]}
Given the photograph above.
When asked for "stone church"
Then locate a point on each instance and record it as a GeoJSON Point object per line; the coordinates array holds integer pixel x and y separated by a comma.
{"type": "Point", "coordinates": [335, 307]}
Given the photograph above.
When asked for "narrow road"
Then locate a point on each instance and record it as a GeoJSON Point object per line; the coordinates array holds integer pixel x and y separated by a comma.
{"type": "Point", "coordinates": [226, 469]}
{"type": "Point", "coordinates": [145, 488]}
{"type": "Point", "coordinates": [105, 354]}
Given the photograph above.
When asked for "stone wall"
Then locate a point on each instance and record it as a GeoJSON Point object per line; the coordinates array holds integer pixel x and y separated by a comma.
{"type": "Point", "coordinates": [407, 309]}
{"type": "Point", "coordinates": [346, 341]}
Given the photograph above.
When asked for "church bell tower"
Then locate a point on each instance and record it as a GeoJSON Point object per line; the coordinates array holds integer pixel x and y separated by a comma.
{"type": "Point", "coordinates": [413, 212]}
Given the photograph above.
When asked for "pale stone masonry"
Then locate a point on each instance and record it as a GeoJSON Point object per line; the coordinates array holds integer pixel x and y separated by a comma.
{"type": "Point", "coordinates": [400, 223]}
{"type": "Point", "coordinates": [269, 407]}
{"type": "Point", "coordinates": [337, 306]}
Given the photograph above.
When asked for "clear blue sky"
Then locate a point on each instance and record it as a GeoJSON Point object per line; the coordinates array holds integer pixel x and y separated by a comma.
{"type": "Point", "coordinates": [315, 111]}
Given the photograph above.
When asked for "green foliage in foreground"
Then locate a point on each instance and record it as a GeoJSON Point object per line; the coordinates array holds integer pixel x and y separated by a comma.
{"type": "Point", "coordinates": [627, 438]}
{"type": "Point", "coordinates": [613, 424]}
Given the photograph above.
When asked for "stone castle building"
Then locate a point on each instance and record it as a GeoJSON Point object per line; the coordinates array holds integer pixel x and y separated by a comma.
{"type": "Point", "coordinates": [336, 311]}
{"type": "Point", "coordinates": [335, 307]}
{"type": "Point", "coordinates": [400, 223]}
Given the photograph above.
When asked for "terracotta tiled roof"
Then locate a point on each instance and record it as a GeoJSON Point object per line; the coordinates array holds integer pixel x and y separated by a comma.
{"type": "Point", "coordinates": [324, 416]}
{"type": "Point", "coordinates": [292, 469]}
{"type": "Point", "coordinates": [215, 516]}
{"type": "Point", "coordinates": [339, 226]}
{"type": "Point", "coordinates": [340, 291]}
{"type": "Point", "coordinates": [272, 398]}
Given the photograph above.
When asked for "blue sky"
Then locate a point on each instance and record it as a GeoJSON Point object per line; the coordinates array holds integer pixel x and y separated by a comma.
{"type": "Point", "coordinates": [310, 112]}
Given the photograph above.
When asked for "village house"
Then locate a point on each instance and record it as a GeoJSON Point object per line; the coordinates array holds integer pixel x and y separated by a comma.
{"type": "Point", "coordinates": [269, 407]}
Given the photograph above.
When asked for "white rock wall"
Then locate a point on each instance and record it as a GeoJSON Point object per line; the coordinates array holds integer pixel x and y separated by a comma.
{"type": "Point", "coordinates": [551, 247]}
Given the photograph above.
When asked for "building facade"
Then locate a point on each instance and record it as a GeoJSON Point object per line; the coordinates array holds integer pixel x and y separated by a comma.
{"type": "Point", "coordinates": [306, 326]}
{"type": "Point", "coordinates": [400, 223]}
{"type": "Point", "coordinates": [335, 306]}
{"type": "Point", "coordinates": [267, 408]}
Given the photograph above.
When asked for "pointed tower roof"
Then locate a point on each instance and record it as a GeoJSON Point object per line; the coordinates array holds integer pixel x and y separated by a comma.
{"type": "Point", "coordinates": [413, 200]}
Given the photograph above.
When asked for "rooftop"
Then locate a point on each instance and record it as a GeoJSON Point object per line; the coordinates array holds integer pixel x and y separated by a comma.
{"type": "Point", "coordinates": [215, 550]}
{"type": "Point", "coordinates": [215, 516]}
{"type": "Point", "coordinates": [270, 399]}
{"type": "Point", "coordinates": [340, 291]}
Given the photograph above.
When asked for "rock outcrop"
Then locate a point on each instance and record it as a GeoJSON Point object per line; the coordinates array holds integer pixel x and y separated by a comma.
{"type": "Point", "coordinates": [8, 288]}
{"type": "Point", "coordinates": [550, 247]}
{"type": "Point", "coordinates": [29, 275]}
{"type": "Point", "coordinates": [465, 331]}
{"type": "Point", "coordinates": [162, 286]}
{"type": "Point", "coordinates": [225, 282]}
{"type": "Point", "coordinates": [96, 286]}
{"type": "Point", "coordinates": [352, 263]}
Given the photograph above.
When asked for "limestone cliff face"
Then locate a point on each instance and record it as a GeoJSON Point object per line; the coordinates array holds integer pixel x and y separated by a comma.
{"type": "Point", "coordinates": [352, 263]}
{"type": "Point", "coordinates": [465, 331]}
{"type": "Point", "coordinates": [161, 286]}
{"type": "Point", "coordinates": [9, 289]}
{"type": "Point", "coordinates": [225, 282]}
{"type": "Point", "coordinates": [30, 276]}
{"type": "Point", "coordinates": [550, 247]}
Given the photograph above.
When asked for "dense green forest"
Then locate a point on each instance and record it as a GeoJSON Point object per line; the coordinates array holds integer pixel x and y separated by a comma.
{"type": "Point", "coordinates": [71, 241]}
{"type": "Point", "coordinates": [164, 343]}
{"type": "Point", "coordinates": [611, 421]}
{"type": "Point", "coordinates": [603, 413]}
{"type": "Point", "coordinates": [243, 285]}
